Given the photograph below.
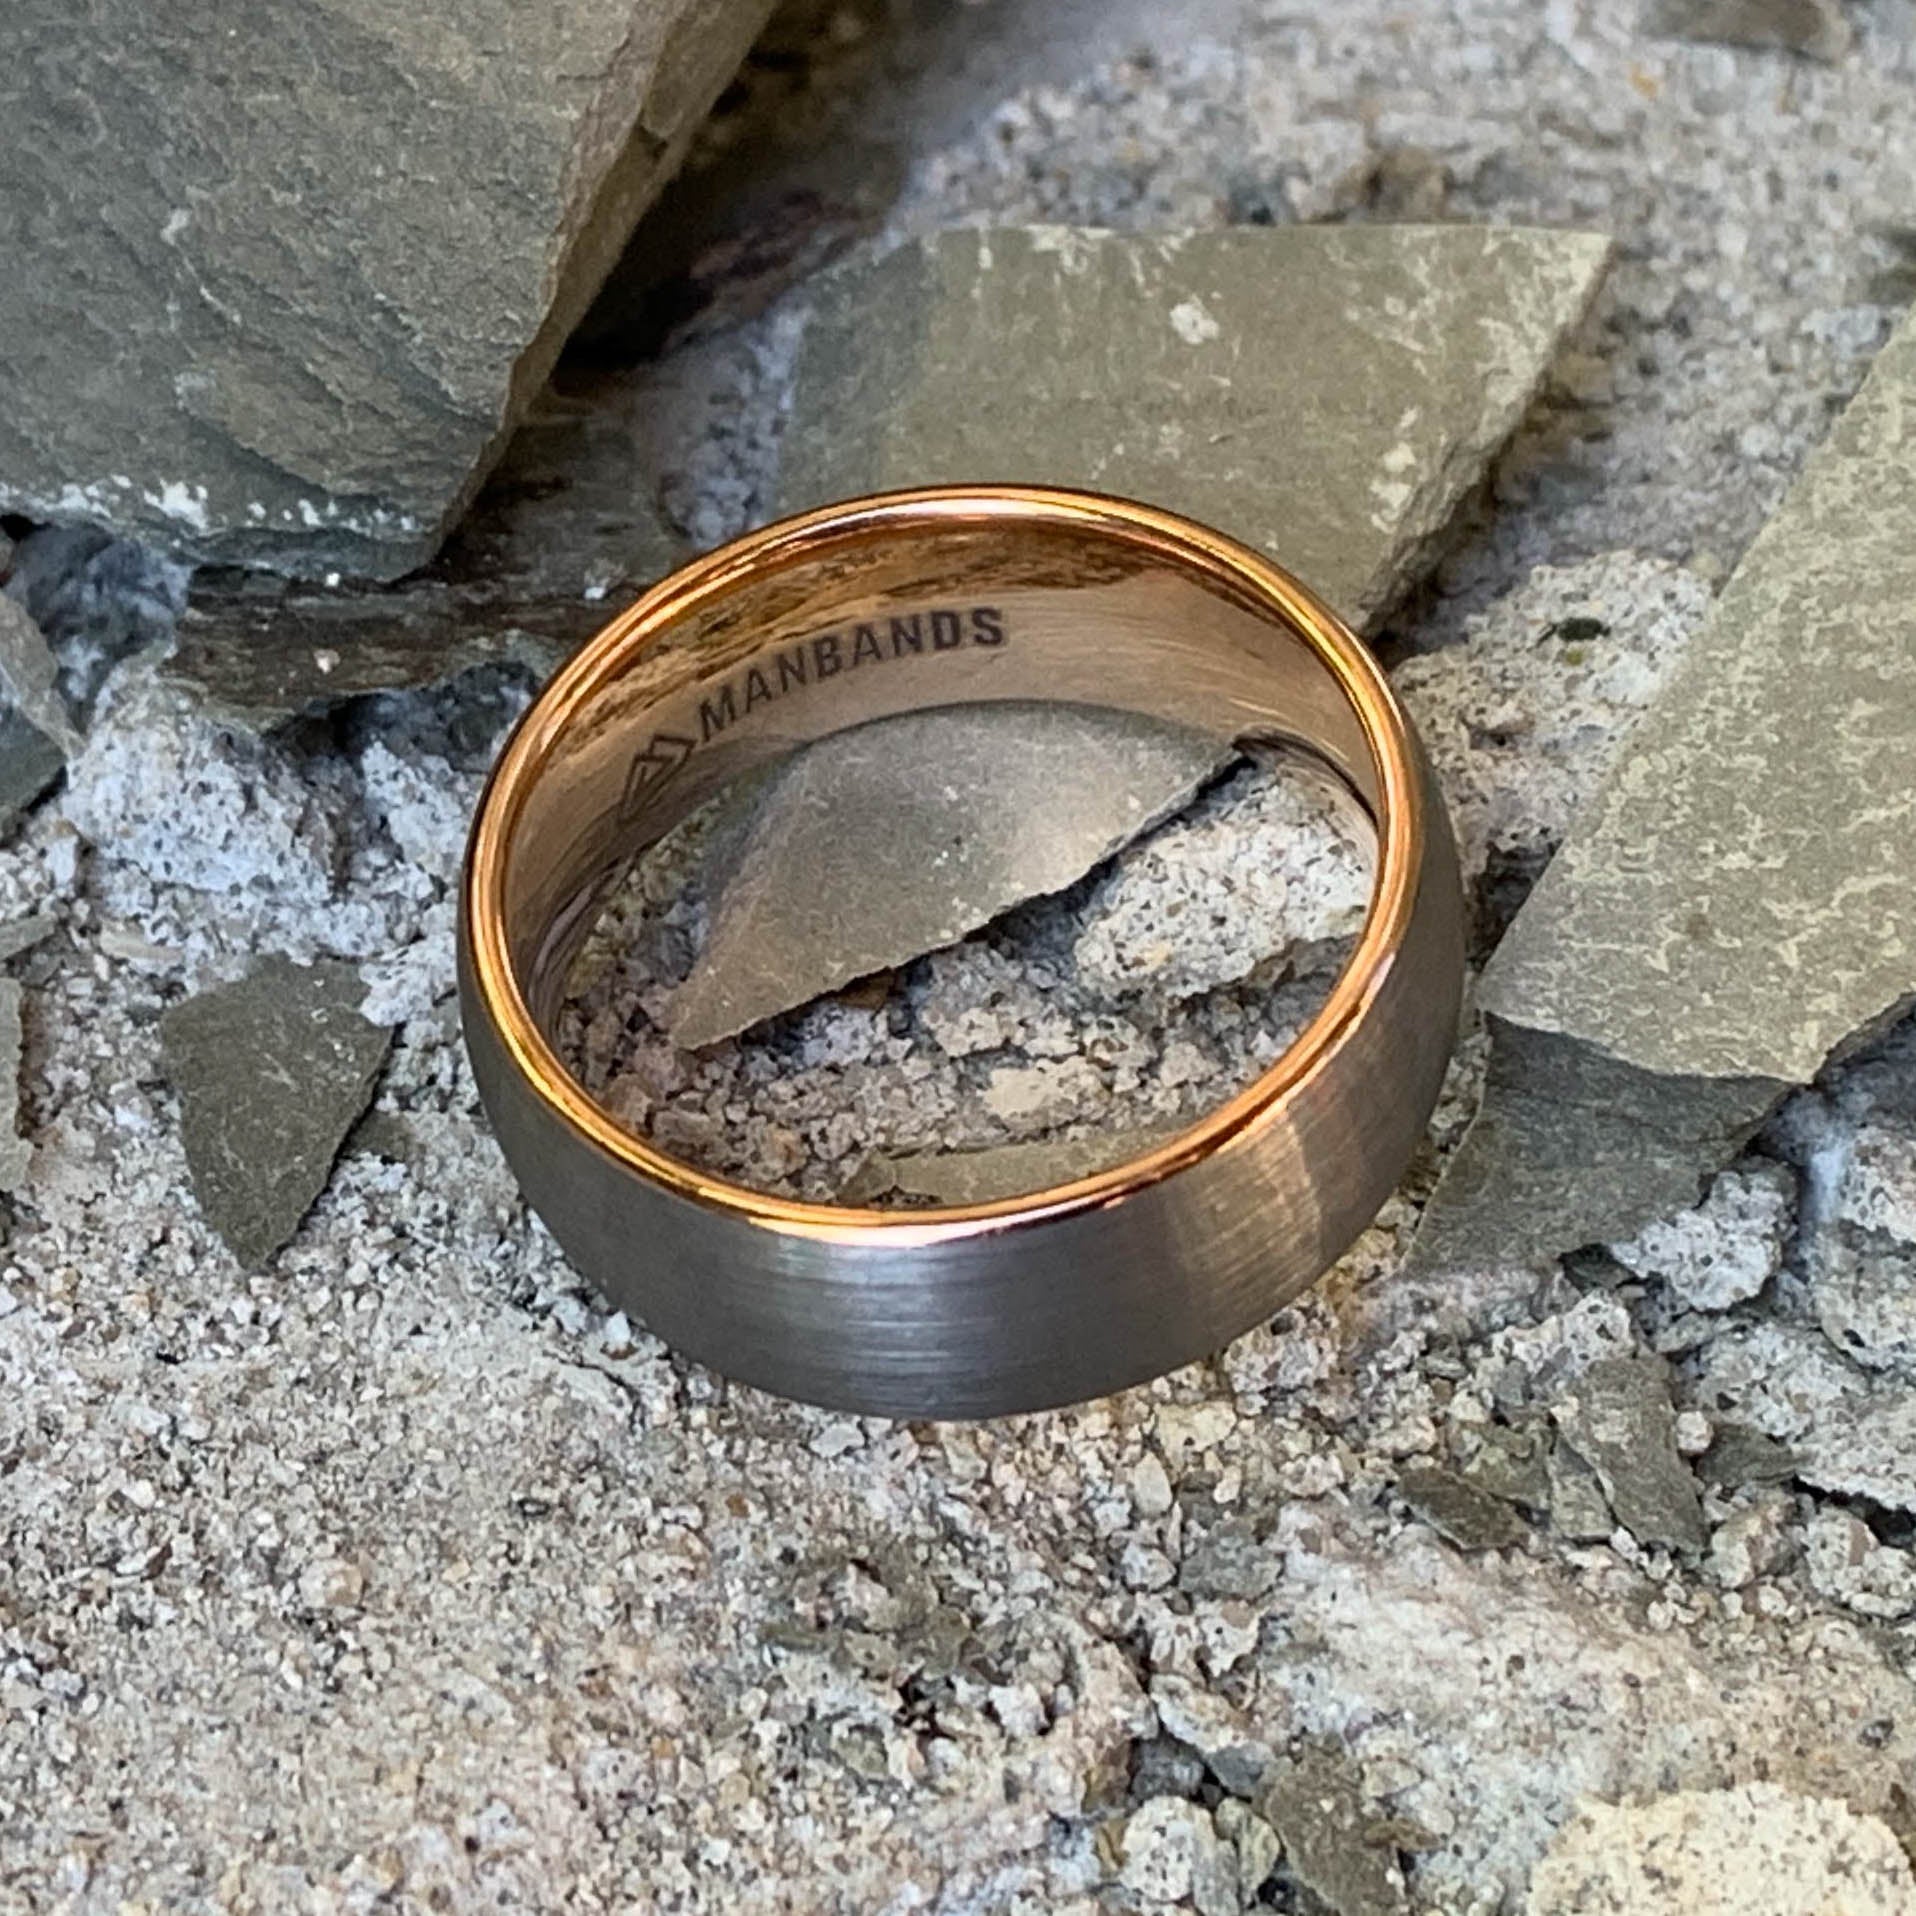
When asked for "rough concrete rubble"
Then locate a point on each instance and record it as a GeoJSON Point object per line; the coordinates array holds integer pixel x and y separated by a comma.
{"type": "Point", "coordinates": [179, 369]}
{"type": "Point", "coordinates": [402, 1571]}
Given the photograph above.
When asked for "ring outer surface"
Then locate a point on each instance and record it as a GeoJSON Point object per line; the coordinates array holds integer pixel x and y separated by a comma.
{"type": "Point", "coordinates": [1060, 1295]}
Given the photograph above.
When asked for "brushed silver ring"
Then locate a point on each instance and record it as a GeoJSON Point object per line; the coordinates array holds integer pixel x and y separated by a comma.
{"type": "Point", "coordinates": [890, 604]}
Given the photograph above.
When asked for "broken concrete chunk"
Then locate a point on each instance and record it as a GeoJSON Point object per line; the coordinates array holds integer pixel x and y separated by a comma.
{"type": "Point", "coordinates": [1697, 946]}
{"type": "Point", "coordinates": [1316, 1806]}
{"type": "Point", "coordinates": [1815, 27]}
{"type": "Point", "coordinates": [36, 732]}
{"type": "Point", "coordinates": [1727, 1248]}
{"type": "Point", "coordinates": [272, 1072]}
{"type": "Point", "coordinates": [16, 1154]}
{"type": "Point", "coordinates": [1172, 1856]}
{"type": "Point", "coordinates": [1272, 869]}
{"type": "Point", "coordinates": [1523, 714]}
{"type": "Point", "coordinates": [1568, 1140]}
{"type": "Point", "coordinates": [1723, 1853]}
{"type": "Point", "coordinates": [1619, 1419]}
{"type": "Point", "coordinates": [182, 370]}
{"type": "Point", "coordinates": [1848, 1565]}
{"type": "Point", "coordinates": [1328, 394]}
{"type": "Point", "coordinates": [984, 820]}
{"type": "Point", "coordinates": [1152, 367]}
{"type": "Point", "coordinates": [565, 532]}
{"type": "Point", "coordinates": [1007, 1170]}
{"type": "Point", "coordinates": [1851, 1434]}
{"type": "Point", "coordinates": [1461, 1510]}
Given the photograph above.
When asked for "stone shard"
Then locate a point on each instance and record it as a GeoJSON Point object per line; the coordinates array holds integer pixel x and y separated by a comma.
{"type": "Point", "coordinates": [1815, 27]}
{"type": "Point", "coordinates": [1157, 368]}
{"type": "Point", "coordinates": [982, 808]}
{"type": "Point", "coordinates": [1571, 1145]}
{"type": "Point", "coordinates": [1618, 1418]}
{"type": "Point", "coordinates": [29, 764]}
{"type": "Point", "coordinates": [186, 366]}
{"type": "Point", "coordinates": [1739, 1455]}
{"type": "Point", "coordinates": [1733, 905]}
{"type": "Point", "coordinates": [1315, 1804]}
{"type": "Point", "coordinates": [272, 1072]}
{"type": "Point", "coordinates": [1723, 1853]}
{"type": "Point", "coordinates": [36, 733]}
{"type": "Point", "coordinates": [22, 934]}
{"type": "Point", "coordinates": [1461, 1510]}
{"type": "Point", "coordinates": [565, 529]}
{"type": "Point", "coordinates": [16, 1154]}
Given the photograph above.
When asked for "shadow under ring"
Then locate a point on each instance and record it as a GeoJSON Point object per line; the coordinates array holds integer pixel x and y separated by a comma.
{"type": "Point", "coordinates": [897, 603]}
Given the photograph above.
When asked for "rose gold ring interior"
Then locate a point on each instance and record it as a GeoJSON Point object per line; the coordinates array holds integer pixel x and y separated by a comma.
{"type": "Point", "coordinates": [850, 615]}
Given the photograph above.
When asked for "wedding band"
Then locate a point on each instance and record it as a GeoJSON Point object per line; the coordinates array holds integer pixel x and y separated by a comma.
{"type": "Point", "coordinates": [951, 596]}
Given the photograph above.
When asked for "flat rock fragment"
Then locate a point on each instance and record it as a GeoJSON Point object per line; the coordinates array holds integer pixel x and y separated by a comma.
{"type": "Point", "coordinates": [185, 368]}
{"type": "Point", "coordinates": [16, 1154]}
{"type": "Point", "coordinates": [1618, 1418]}
{"type": "Point", "coordinates": [1463, 1511]}
{"type": "Point", "coordinates": [564, 533]}
{"type": "Point", "coordinates": [905, 836]}
{"type": "Point", "coordinates": [1733, 905]}
{"type": "Point", "coordinates": [272, 1072]}
{"type": "Point", "coordinates": [1723, 1853]}
{"type": "Point", "coordinates": [1250, 378]}
{"type": "Point", "coordinates": [1815, 27]}
{"type": "Point", "coordinates": [1327, 394]}
{"type": "Point", "coordinates": [36, 733]}
{"type": "Point", "coordinates": [1845, 1431]}
{"type": "Point", "coordinates": [1315, 1804]}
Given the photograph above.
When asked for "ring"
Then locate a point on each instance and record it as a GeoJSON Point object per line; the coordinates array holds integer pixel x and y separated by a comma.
{"type": "Point", "coordinates": [891, 604]}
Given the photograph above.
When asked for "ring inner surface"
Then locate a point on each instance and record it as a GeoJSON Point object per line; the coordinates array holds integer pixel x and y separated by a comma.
{"type": "Point", "coordinates": [946, 614]}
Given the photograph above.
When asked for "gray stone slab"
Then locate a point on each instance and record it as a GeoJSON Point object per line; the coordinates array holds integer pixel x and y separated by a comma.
{"type": "Point", "coordinates": [1327, 394]}
{"type": "Point", "coordinates": [1734, 905]}
{"type": "Point", "coordinates": [22, 934]}
{"type": "Point", "coordinates": [286, 313]}
{"type": "Point", "coordinates": [1250, 378]}
{"type": "Point", "coordinates": [271, 1072]}
{"type": "Point", "coordinates": [565, 532]}
{"type": "Point", "coordinates": [1815, 27]}
{"type": "Point", "coordinates": [1618, 1418]}
{"type": "Point", "coordinates": [978, 815]}
{"type": "Point", "coordinates": [16, 1154]}
{"type": "Point", "coordinates": [1572, 1146]}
